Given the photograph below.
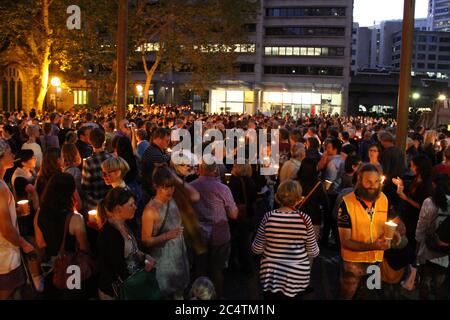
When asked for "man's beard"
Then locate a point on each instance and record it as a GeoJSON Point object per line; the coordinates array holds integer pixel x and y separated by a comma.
{"type": "Point", "coordinates": [371, 194]}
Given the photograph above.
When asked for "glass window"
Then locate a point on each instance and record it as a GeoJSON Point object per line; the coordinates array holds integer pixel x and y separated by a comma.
{"type": "Point", "coordinates": [275, 51]}
{"type": "Point", "coordinates": [303, 51]}
{"type": "Point", "coordinates": [296, 51]}
{"type": "Point", "coordinates": [324, 51]}
{"type": "Point", "coordinates": [282, 51]}
{"type": "Point", "coordinates": [317, 51]}
{"type": "Point", "coordinates": [310, 51]}
{"type": "Point", "coordinates": [289, 51]}
{"type": "Point", "coordinates": [268, 51]}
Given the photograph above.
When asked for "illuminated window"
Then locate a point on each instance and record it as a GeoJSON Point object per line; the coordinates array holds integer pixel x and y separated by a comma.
{"type": "Point", "coordinates": [282, 51]}
{"type": "Point", "coordinates": [310, 51]}
{"type": "Point", "coordinates": [317, 51]}
{"type": "Point", "coordinates": [268, 51]}
{"type": "Point", "coordinates": [289, 51]}
{"type": "Point", "coordinates": [296, 51]}
{"type": "Point", "coordinates": [79, 97]}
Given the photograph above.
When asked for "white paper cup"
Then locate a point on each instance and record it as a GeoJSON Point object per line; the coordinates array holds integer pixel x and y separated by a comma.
{"type": "Point", "coordinates": [389, 229]}
{"type": "Point", "coordinates": [25, 206]}
{"type": "Point", "coordinates": [92, 215]}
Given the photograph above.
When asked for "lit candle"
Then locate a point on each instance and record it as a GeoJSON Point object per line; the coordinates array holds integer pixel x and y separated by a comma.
{"type": "Point", "coordinates": [227, 177]}
{"type": "Point", "coordinates": [328, 184]}
{"type": "Point", "coordinates": [24, 205]}
{"type": "Point", "coordinates": [383, 179]}
{"type": "Point", "coordinates": [169, 150]}
{"type": "Point", "coordinates": [92, 215]}
{"type": "Point", "coordinates": [389, 229]}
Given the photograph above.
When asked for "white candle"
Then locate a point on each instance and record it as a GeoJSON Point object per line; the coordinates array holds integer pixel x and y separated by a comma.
{"type": "Point", "coordinates": [24, 205]}
{"type": "Point", "coordinates": [92, 215]}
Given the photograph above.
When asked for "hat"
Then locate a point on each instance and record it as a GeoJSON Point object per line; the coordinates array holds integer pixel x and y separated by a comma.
{"type": "Point", "coordinates": [24, 155]}
{"type": "Point", "coordinates": [3, 147]}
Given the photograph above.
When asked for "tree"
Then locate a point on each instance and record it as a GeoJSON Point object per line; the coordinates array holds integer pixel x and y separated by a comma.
{"type": "Point", "coordinates": [200, 37]}
{"type": "Point", "coordinates": [40, 28]}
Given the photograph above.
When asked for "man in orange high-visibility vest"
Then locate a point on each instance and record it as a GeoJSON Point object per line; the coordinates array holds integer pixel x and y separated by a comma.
{"type": "Point", "coordinates": [361, 219]}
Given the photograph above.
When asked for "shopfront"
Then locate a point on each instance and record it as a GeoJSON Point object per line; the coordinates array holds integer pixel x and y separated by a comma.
{"type": "Point", "coordinates": [297, 103]}
{"type": "Point", "coordinates": [231, 101]}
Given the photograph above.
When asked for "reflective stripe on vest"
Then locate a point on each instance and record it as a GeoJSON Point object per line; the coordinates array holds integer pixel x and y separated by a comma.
{"type": "Point", "coordinates": [365, 229]}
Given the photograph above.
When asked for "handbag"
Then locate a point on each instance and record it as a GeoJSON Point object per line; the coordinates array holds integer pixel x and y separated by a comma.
{"type": "Point", "coordinates": [242, 207]}
{"type": "Point", "coordinates": [65, 259]}
{"type": "Point", "coordinates": [141, 285]}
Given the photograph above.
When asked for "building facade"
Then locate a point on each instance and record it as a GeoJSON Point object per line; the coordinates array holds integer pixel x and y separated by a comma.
{"type": "Point", "coordinates": [439, 15]}
{"type": "Point", "coordinates": [297, 60]}
{"type": "Point", "coordinates": [431, 53]}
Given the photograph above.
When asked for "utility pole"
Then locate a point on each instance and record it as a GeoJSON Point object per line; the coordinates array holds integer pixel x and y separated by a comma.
{"type": "Point", "coordinates": [122, 47]}
{"type": "Point", "coordinates": [405, 74]}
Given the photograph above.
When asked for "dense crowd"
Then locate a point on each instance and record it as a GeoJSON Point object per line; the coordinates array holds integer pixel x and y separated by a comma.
{"type": "Point", "coordinates": [78, 190]}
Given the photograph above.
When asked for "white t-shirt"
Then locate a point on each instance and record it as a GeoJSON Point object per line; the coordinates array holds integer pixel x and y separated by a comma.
{"type": "Point", "coordinates": [36, 150]}
{"type": "Point", "coordinates": [9, 254]}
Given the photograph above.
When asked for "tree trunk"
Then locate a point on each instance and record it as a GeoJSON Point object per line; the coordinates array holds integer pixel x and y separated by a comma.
{"type": "Point", "coordinates": [149, 73]}
{"type": "Point", "coordinates": [43, 80]}
{"type": "Point", "coordinates": [44, 68]}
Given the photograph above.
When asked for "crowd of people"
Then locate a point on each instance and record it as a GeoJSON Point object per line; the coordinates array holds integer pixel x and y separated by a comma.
{"type": "Point", "coordinates": [74, 186]}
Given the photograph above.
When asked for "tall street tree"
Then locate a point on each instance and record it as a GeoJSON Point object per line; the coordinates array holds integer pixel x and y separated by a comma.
{"type": "Point", "coordinates": [200, 37]}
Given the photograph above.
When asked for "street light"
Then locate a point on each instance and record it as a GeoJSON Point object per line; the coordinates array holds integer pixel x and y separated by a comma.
{"type": "Point", "coordinates": [416, 95]}
{"type": "Point", "coordinates": [139, 90]}
{"type": "Point", "coordinates": [56, 83]}
{"type": "Point", "coordinates": [442, 97]}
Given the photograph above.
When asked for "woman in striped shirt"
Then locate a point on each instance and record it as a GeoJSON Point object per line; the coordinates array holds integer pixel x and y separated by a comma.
{"type": "Point", "coordinates": [287, 242]}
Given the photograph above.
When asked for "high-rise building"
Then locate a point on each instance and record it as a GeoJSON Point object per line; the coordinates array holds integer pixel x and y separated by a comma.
{"type": "Point", "coordinates": [297, 60]}
{"type": "Point", "coordinates": [373, 46]}
{"type": "Point", "coordinates": [439, 15]}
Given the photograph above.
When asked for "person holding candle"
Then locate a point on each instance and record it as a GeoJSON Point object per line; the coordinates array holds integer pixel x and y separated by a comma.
{"type": "Point", "coordinates": [162, 233]}
{"type": "Point", "coordinates": [12, 273]}
{"type": "Point", "coordinates": [361, 221]}
{"type": "Point", "coordinates": [118, 252]}
{"type": "Point", "coordinates": [57, 206]}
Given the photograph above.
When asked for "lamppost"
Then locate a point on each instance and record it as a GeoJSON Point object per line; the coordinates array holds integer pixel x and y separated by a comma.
{"type": "Point", "coordinates": [139, 89]}
{"type": "Point", "coordinates": [415, 96]}
{"type": "Point", "coordinates": [441, 98]}
{"type": "Point", "coordinates": [56, 83]}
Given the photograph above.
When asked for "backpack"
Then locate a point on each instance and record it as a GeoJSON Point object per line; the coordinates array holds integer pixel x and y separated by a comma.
{"type": "Point", "coordinates": [431, 240]}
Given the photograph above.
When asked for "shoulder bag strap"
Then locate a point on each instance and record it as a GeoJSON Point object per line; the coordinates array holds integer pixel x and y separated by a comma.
{"type": "Point", "coordinates": [66, 230]}
{"type": "Point", "coordinates": [244, 190]}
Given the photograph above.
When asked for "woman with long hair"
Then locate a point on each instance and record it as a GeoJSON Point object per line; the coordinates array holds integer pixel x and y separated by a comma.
{"type": "Point", "coordinates": [57, 209]}
{"type": "Point", "coordinates": [433, 265]}
{"type": "Point", "coordinates": [51, 164]}
{"type": "Point", "coordinates": [162, 233]}
{"type": "Point", "coordinates": [419, 189]}
{"type": "Point", "coordinates": [429, 142]}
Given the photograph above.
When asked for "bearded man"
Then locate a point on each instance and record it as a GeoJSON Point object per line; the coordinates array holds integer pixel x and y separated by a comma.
{"type": "Point", "coordinates": [361, 220]}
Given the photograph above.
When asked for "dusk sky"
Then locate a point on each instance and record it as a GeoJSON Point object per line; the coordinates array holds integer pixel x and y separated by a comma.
{"type": "Point", "coordinates": [368, 11]}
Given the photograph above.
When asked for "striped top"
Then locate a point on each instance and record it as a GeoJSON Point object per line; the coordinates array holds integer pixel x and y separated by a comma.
{"type": "Point", "coordinates": [285, 243]}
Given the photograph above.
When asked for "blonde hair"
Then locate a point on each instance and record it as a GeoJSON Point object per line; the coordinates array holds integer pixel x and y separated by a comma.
{"type": "Point", "coordinates": [242, 170]}
{"type": "Point", "coordinates": [289, 193]}
{"type": "Point", "coordinates": [114, 164]}
{"type": "Point", "coordinates": [430, 137]}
